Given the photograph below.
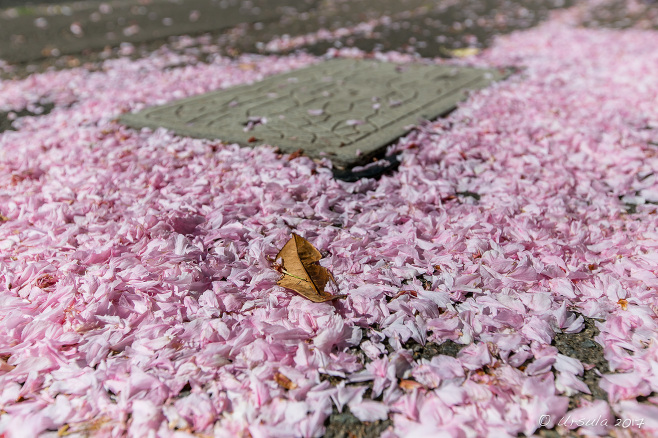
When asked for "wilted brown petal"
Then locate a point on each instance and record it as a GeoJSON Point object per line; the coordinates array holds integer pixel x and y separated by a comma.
{"type": "Point", "coordinates": [409, 385]}
{"type": "Point", "coordinates": [284, 382]}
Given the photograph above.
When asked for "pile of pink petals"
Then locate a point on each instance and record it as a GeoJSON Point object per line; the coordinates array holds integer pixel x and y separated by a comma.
{"type": "Point", "coordinates": [137, 295]}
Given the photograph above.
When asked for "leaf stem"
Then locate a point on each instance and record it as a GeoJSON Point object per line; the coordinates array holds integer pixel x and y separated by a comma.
{"type": "Point", "coordinates": [294, 276]}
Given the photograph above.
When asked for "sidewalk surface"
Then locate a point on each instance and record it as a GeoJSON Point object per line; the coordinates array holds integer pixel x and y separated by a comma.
{"type": "Point", "coordinates": [501, 282]}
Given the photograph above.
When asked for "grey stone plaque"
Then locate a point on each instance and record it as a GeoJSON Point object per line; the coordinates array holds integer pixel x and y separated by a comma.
{"type": "Point", "coordinates": [341, 109]}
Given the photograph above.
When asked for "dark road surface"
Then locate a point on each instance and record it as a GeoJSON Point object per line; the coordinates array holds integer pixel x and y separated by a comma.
{"type": "Point", "coordinates": [40, 32]}
{"type": "Point", "coordinates": [35, 31]}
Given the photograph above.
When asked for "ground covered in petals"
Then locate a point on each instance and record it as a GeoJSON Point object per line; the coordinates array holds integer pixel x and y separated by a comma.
{"type": "Point", "coordinates": [138, 294]}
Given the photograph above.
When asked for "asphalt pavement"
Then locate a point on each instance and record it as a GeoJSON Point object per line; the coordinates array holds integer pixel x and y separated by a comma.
{"type": "Point", "coordinates": [44, 33]}
{"type": "Point", "coordinates": [37, 31]}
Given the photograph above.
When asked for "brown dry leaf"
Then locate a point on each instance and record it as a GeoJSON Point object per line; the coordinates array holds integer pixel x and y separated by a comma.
{"type": "Point", "coordinates": [284, 382]}
{"type": "Point", "coordinates": [301, 272]}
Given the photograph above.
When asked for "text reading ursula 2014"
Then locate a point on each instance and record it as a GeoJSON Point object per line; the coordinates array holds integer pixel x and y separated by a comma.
{"type": "Point", "coordinates": [571, 422]}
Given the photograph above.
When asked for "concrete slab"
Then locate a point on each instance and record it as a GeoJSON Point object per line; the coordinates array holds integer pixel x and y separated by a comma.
{"type": "Point", "coordinates": [346, 110]}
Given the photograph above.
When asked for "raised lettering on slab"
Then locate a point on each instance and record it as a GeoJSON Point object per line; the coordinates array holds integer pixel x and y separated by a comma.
{"type": "Point", "coordinates": [343, 109]}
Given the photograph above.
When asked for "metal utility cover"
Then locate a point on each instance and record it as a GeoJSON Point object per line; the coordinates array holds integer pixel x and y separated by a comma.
{"type": "Point", "coordinates": [341, 109]}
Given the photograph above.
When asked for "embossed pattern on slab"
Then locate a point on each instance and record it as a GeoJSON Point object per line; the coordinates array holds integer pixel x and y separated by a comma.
{"type": "Point", "coordinates": [340, 109]}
